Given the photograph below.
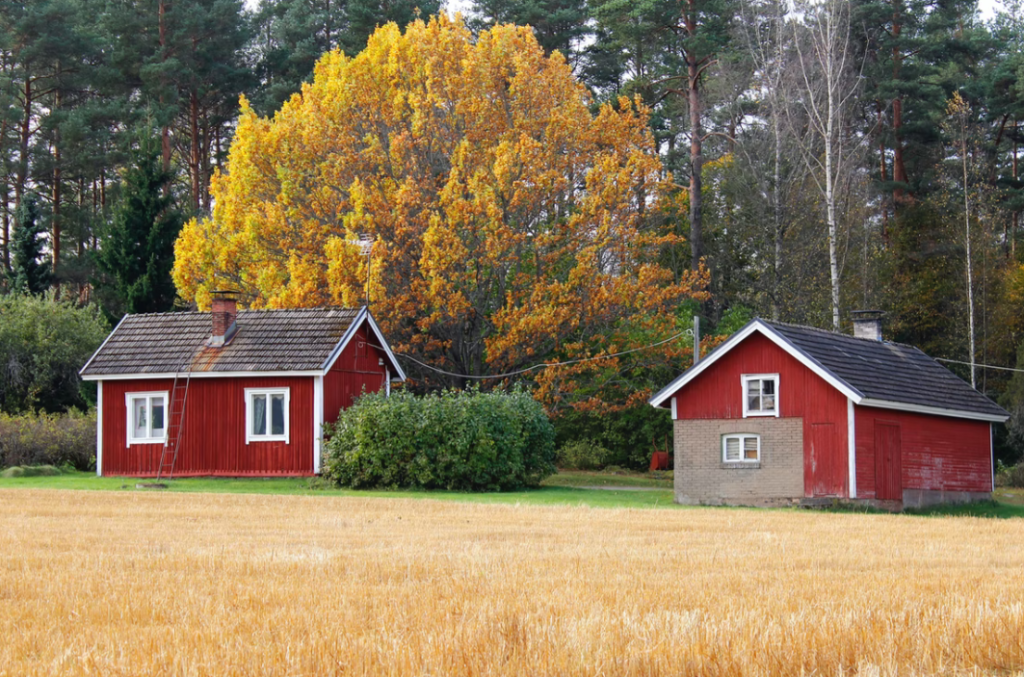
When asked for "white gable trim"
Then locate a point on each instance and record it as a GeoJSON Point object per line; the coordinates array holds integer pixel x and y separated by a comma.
{"type": "Point", "coordinates": [736, 339]}
{"type": "Point", "coordinates": [934, 411]}
{"type": "Point", "coordinates": [363, 316]}
{"type": "Point", "coordinates": [137, 376]}
{"type": "Point", "coordinates": [109, 336]}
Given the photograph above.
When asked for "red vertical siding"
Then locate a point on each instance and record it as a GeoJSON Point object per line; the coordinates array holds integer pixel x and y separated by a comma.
{"type": "Point", "coordinates": [936, 453]}
{"type": "Point", "coordinates": [213, 438]}
{"type": "Point", "coordinates": [357, 368]}
{"type": "Point", "coordinates": [717, 393]}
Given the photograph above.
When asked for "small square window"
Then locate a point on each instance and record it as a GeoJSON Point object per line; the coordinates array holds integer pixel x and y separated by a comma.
{"type": "Point", "coordinates": [760, 395]}
{"type": "Point", "coordinates": [146, 418]}
{"type": "Point", "coordinates": [741, 448]}
{"type": "Point", "coordinates": [266, 415]}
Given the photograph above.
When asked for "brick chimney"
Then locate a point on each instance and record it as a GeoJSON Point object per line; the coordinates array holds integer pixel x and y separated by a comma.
{"type": "Point", "coordinates": [224, 312]}
{"type": "Point", "coordinates": [868, 324]}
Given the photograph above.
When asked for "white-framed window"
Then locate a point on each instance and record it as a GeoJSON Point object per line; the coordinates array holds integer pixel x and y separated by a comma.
{"type": "Point", "coordinates": [741, 448]}
{"type": "Point", "coordinates": [760, 395]}
{"type": "Point", "coordinates": [147, 418]}
{"type": "Point", "coordinates": [266, 415]}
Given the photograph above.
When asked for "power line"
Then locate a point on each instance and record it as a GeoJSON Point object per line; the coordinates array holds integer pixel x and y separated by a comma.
{"type": "Point", "coordinates": [986, 366]}
{"type": "Point", "coordinates": [544, 364]}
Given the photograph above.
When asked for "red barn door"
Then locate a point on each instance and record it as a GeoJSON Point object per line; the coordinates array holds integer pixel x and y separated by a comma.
{"type": "Point", "coordinates": [825, 474]}
{"type": "Point", "coordinates": [888, 462]}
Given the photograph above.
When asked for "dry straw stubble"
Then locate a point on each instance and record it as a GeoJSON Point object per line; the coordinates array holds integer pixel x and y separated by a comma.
{"type": "Point", "coordinates": [205, 584]}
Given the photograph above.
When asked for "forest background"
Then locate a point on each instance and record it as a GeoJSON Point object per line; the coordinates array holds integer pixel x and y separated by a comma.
{"type": "Point", "coordinates": [814, 158]}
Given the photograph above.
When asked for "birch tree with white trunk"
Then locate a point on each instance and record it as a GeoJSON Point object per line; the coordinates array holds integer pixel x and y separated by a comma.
{"type": "Point", "coordinates": [827, 86]}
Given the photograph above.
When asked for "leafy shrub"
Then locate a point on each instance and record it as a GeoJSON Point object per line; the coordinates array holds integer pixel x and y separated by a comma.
{"type": "Point", "coordinates": [43, 344]}
{"type": "Point", "coordinates": [626, 434]}
{"type": "Point", "coordinates": [459, 440]}
{"type": "Point", "coordinates": [582, 455]}
{"type": "Point", "coordinates": [1013, 476]}
{"type": "Point", "coordinates": [60, 440]}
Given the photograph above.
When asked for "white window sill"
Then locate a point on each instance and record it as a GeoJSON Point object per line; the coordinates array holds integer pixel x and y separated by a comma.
{"type": "Point", "coordinates": [266, 438]}
{"type": "Point", "coordinates": [751, 414]}
{"type": "Point", "coordinates": [147, 440]}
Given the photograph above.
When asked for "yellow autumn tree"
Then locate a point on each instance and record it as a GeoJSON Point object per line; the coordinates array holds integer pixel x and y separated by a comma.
{"type": "Point", "coordinates": [510, 224]}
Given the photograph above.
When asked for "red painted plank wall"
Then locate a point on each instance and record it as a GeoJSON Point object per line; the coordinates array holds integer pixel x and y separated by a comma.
{"type": "Point", "coordinates": [213, 441]}
{"type": "Point", "coordinates": [938, 453]}
{"type": "Point", "coordinates": [717, 393]}
{"type": "Point", "coordinates": [357, 367]}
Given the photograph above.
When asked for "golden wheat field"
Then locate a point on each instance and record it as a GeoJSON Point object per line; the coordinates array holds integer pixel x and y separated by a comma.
{"type": "Point", "coordinates": [95, 583]}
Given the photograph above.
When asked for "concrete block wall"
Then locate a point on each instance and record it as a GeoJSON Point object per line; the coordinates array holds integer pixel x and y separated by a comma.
{"type": "Point", "coordinates": [701, 477]}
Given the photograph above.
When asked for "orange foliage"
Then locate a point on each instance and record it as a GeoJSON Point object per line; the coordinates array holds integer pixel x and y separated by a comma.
{"type": "Point", "coordinates": [511, 225]}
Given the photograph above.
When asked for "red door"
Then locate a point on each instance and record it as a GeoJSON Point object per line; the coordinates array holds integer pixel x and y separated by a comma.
{"type": "Point", "coordinates": [888, 462]}
{"type": "Point", "coordinates": [825, 474]}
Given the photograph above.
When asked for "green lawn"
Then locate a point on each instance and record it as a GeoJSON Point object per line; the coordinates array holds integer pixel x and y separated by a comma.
{"type": "Point", "coordinates": [572, 488]}
{"type": "Point", "coordinates": [552, 493]}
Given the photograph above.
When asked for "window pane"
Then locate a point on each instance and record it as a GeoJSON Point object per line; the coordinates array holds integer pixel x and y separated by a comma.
{"type": "Point", "coordinates": [732, 449]}
{"type": "Point", "coordinates": [768, 403]}
{"type": "Point", "coordinates": [277, 414]}
{"type": "Point", "coordinates": [259, 414]}
{"type": "Point", "coordinates": [768, 387]}
{"type": "Point", "coordinates": [750, 448]}
{"type": "Point", "coordinates": [157, 408]}
{"type": "Point", "coordinates": [139, 417]}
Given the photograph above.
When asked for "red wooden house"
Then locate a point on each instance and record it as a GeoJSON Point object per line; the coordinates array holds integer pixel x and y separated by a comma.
{"type": "Point", "coordinates": [231, 393]}
{"type": "Point", "coordinates": [781, 414]}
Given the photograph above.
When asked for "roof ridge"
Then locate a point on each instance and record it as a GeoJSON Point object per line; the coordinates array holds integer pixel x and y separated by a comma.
{"type": "Point", "coordinates": [837, 334]}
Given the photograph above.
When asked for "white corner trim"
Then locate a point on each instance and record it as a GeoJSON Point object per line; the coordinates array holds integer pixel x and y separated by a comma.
{"type": "Point", "coordinates": [992, 454]}
{"type": "Point", "coordinates": [675, 410]}
{"type": "Point", "coordinates": [935, 411]}
{"type": "Point", "coordinates": [851, 446]}
{"type": "Point", "coordinates": [318, 420]}
{"type": "Point", "coordinates": [736, 339]}
{"type": "Point", "coordinates": [93, 357]}
{"type": "Point", "coordinates": [249, 392]}
{"type": "Point", "coordinates": [129, 440]}
{"type": "Point", "coordinates": [387, 382]}
{"type": "Point", "coordinates": [99, 429]}
{"type": "Point", "coordinates": [745, 379]}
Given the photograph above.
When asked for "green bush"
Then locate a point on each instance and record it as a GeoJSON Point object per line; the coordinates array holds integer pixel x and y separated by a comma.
{"type": "Point", "coordinates": [1012, 476]}
{"type": "Point", "coordinates": [60, 440]}
{"type": "Point", "coordinates": [582, 455]}
{"type": "Point", "coordinates": [457, 440]}
{"type": "Point", "coordinates": [627, 434]}
{"type": "Point", "coordinates": [43, 344]}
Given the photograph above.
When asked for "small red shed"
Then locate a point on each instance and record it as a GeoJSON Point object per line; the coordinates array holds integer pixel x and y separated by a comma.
{"type": "Point", "coordinates": [781, 414]}
{"type": "Point", "coordinates": [231, 393]}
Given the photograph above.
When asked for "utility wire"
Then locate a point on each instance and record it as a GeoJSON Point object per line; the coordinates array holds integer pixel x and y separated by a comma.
{"type": "Point", "coordinates": [544, 364]}
{"type": "Point", "coordinates": [986, 366]}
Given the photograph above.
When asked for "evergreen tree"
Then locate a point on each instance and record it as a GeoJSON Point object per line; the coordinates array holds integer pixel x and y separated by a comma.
{"type": "Point", "coordinates": [558, 24]}
{"type": "Point", "coordinates": [137, 252]}
{"type": "Point", "coordinates": [30, 269]}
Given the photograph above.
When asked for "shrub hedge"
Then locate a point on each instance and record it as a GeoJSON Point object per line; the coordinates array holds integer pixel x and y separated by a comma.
{"type": "Point", "coordinates": [61, 440]}
{"type": "Point", "coordinates": [456, 440]}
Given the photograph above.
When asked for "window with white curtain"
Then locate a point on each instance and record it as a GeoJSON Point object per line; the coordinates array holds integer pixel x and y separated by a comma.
{"type": "Point", "coordinates": [147, 418]}
{"type": "Point", "coordinates": [266, 415]}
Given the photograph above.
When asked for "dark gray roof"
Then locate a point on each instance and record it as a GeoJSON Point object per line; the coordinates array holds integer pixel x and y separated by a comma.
{"type": "Point", "coordinates": [893, 372]}
{"type": "Point", "coordinates": [266, 340]}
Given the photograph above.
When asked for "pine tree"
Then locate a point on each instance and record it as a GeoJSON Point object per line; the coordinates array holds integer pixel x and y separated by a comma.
{"type": "Point", "coordinates": [137, 252]}
{"type": "Point", "coordinates": [558, 24]}
{"type": "Point", "coordinates": [30, 269]}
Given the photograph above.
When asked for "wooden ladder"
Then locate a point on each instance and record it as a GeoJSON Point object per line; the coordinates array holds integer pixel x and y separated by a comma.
{"type": "Point", "coordinates": [175, 422]}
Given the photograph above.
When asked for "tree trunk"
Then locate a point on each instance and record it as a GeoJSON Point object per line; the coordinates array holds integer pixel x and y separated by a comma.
{"type": "Point", "coordinates": [165, 131]}
{"type": "Point", "coordinates": [24, 135]}
{"type": "Point", "coordinates": [696, 145]}
{"type": "Point", "coordinates": [194, 151]}
{"type": "Point", "coordinates": [899, 169]}
{"type": "Point", "coordinates": [57, 185]}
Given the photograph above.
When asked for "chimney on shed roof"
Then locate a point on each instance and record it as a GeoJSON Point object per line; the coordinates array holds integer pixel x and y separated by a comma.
{"type": "Point", "coordinates": [224, 312]}
{"type": "Point", "coordinates": [868, 324]}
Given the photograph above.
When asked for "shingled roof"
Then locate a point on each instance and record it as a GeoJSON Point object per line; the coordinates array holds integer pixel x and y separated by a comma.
{"type": "Point", "coordinates": [870, 372]}
{"type": "Point", "coordinates": [266, 341]}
